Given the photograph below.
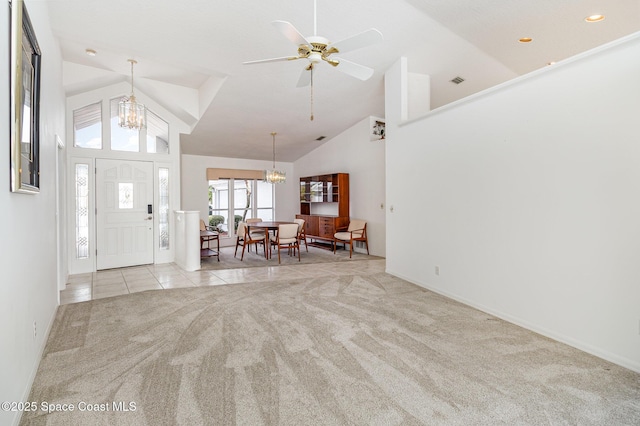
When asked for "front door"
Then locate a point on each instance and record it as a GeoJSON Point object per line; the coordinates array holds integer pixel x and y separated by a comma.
{"type": "Point", "coordinates": [124, 209]}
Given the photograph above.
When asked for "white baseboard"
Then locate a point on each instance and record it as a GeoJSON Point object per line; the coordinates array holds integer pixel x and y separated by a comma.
{"type": "Point", "coordinates": [34, 369]}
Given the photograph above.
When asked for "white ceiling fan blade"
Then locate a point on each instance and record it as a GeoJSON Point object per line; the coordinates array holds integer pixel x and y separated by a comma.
{"type": "Point", "coordinates": [290, 32]}
{"type": "Point", "coordinates": [305, 78]}
{"type": "Point", "coordinates": [260, 61]}
{"type": "Point", "coordinates": [355, 70]}
{"type": "Point", "coordinates": [357, 41]}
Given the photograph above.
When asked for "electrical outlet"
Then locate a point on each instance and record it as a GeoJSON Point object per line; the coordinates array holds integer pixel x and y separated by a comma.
{"type": "Point", "coordinates": [437, 270]}
{"type": "Point", "coordinates": [35, 329]}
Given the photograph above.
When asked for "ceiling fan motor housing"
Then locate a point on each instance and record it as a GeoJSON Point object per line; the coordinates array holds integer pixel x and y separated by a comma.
{"type": "Point", "coordinates": [318, 50]}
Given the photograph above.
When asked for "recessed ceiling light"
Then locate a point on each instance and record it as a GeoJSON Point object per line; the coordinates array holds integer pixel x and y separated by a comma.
{"type": "Point", "coordinates": [594, 18]}
{"type": "Point", "coordinates": [525, 40]}
{"type": "Point", "coordinates": [90, 52]}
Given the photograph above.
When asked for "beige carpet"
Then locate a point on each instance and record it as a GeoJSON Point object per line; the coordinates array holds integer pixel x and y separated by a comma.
{"type": "Point", "coordinates": [255, 260]}
{"type": "Point", "coordinates": [365, 349]}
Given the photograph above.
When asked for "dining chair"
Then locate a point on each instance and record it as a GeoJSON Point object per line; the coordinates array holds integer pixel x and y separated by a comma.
{"type": "Point", "coordinates": [256, 233]}
{"type": "Point", "coordinates": [286, 237]}
{"type": "Point", "coordinates": [356, 231]}
{"type": "Point", "coordinates": [302, 233]}
{"type": "Point", "coordinates": [244, 238]}
{"type": "Point", "coordinates": [239, 236]}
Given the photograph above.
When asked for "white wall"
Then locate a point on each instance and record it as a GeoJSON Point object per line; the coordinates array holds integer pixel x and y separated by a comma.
{"type": "Point", "coordinates": [195, 186]}
{"type": "Point", "coordinates": [353, 152]}
{"type": "Point", "coordinates": [528, 199]}
{"type": "Point", "coordinates": [28, 288]}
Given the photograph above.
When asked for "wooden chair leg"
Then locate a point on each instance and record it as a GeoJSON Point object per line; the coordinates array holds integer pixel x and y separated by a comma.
{"type": "Point", "coordinates": [267, 246]}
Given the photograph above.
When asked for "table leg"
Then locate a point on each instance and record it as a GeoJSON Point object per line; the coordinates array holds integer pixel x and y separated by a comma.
{"type": "Point", "coordinates": [267, 246]}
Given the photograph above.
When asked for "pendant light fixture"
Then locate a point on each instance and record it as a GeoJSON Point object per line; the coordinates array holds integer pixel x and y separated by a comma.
{"type": "Point", "coordinates": [274, 176]}
{"type": "Point", "coordinates": [132, 114]}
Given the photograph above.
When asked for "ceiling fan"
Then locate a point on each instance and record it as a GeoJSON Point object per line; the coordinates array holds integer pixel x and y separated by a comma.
{"type": "Point", "coordinates": [317, 49]}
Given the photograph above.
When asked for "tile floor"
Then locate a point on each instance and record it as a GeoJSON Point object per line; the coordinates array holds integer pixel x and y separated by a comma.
{"type": "Point", "coordinates": [115, 282]}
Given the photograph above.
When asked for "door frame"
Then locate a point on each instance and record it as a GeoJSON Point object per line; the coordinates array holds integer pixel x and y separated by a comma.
{"type": "Point", "coordinates": [89, 264]}
{"type": "Point", "coordinates": [61, 241]}
{"type": "Point", "coordinates": [100, 214]}
{"type": "Point", "coordinates": [73, 153]}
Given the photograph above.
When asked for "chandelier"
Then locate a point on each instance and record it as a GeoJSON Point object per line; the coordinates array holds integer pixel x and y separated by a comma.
{"type": "Point", "coordinates": [274, 176]}
{"type": "Point", "coordinates": [132, 114]}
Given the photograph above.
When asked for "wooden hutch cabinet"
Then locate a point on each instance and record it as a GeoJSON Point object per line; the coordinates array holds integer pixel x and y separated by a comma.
{"type": "Point", "coordinates": [324, 189]}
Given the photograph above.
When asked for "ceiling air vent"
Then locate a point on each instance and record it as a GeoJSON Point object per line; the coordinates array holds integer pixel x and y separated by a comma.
{"type": "Point", "coordinates": [319, 138]}
{"type": "Point", "coordinates": [457, 80]}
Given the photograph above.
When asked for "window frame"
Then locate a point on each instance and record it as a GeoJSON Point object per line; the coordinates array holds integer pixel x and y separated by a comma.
{"type": "Point", "coordinates": [76, 129]}
{"type": "Point", "coordinates": [252, 211]}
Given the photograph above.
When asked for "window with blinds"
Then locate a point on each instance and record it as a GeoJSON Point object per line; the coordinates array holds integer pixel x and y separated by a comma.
{"type": "Point", "coordinates": [87, 126]}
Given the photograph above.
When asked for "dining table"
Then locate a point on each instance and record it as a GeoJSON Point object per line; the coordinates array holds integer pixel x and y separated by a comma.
{"type": "Point", "coordinates": [268, 226]}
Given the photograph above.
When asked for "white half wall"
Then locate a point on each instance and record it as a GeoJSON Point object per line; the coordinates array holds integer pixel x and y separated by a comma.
{"type": "Point", "coordinates": [353, 152]}
{"type": "Point", "coordinates": [527, 198]}
{"type": "Point", "coordinates": [28, 287]}
{"type": "Point", "coordinates": [195, 186]}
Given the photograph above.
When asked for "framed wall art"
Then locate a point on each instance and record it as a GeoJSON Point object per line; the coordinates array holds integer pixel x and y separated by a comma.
{"type": "Point", "coordinates": [25, 62]}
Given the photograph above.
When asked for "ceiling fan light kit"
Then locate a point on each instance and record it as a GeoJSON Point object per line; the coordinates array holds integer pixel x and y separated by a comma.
{"type": "Point", "coordinates": [317, 49]}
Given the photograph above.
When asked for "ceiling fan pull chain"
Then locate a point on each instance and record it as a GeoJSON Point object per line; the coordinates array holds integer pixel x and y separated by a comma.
{"type": "Point", "coordinates": [311, 93]}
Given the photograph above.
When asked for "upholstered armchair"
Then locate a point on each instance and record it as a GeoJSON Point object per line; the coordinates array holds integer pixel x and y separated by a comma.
{"type": "Point", "coordinates": [356, 231]}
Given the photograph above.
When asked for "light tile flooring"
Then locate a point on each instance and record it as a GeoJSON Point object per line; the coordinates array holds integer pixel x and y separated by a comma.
{"type": "Point", "coordinates": [116, 282]}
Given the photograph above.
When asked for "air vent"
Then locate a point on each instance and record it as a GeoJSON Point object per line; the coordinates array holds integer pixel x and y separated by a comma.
{"type": "Point", "coordinates": [457, 80]}
{"type": "Point", "coordinates": [320, 138]}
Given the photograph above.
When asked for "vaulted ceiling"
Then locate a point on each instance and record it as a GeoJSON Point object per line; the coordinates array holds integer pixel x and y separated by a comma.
{"type": "Point", "coordinates": [190, 57]}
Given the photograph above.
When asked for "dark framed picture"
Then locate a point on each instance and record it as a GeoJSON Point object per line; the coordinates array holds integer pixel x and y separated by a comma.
{"type": "Point", "coordinates": [25, 62]}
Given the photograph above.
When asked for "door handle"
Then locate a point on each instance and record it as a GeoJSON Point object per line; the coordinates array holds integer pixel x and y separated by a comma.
{"type": "Point", "coordinates": [149, 218]}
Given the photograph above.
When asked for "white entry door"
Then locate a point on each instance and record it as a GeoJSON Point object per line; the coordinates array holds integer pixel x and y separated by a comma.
{"type": "Point", "coordinates": [124, 221]}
